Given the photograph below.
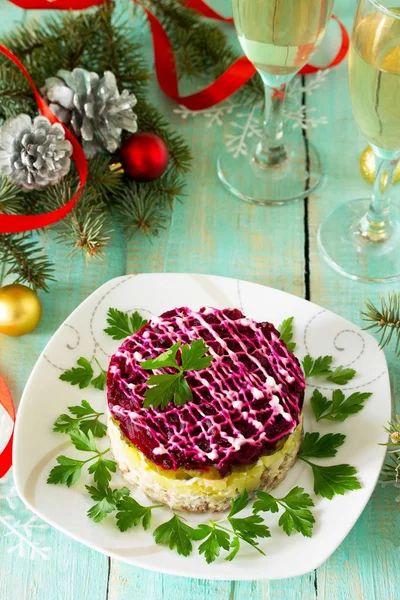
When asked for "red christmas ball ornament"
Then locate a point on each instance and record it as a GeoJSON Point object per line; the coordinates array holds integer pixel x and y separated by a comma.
{"type": "Point", "coordinates": [144, 156]}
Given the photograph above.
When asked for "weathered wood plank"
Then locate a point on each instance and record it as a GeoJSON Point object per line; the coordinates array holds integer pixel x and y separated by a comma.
{"type": "Point", "coordinates": [364, 566]}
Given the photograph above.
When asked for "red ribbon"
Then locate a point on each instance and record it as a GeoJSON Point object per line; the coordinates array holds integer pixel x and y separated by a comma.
{"type": "Point", "coordinates": [227, 84]}
{"type": "Point", "coordinates": [6, 402]}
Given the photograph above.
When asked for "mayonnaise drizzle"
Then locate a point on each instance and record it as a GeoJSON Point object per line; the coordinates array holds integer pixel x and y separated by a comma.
{"type": "Point", "coordinates": [249, 398]}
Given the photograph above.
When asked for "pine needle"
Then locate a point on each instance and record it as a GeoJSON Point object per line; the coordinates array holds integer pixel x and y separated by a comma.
{"type": "Point", "coordinates": [385, 320]}
{"type": "Point", "coordinates": [24, 258]}
{"type": "Point", "coordinates": [140, 209]}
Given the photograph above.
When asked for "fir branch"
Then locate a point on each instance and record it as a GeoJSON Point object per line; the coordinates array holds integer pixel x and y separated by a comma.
{"type": "Point", "coordinates": [11, 198]}
{"type": "Point", "coordinates": [140, 209]}
{"type": "Point", "coordinates": [385, 320]}
{"type": "Point", "coordinates": [86, 227]}
{"type": "Point", "coordinates": [104, 181]}
{"type": "Point", "coordinates": [168, 187]}
{"type": "Point", "coordinates": [24, 258]}
{"type": "Point", "coordinates": [391, 469]}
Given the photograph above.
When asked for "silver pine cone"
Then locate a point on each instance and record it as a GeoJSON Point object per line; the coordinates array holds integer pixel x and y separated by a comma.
{"type": "Point", "coordinates": [34, 154]}
{"type": "Point", "coordinates": [92, 107]}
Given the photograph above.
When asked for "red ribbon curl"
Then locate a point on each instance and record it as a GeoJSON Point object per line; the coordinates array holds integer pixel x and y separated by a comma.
{"type": "Point", "coordinates": [7, 403]}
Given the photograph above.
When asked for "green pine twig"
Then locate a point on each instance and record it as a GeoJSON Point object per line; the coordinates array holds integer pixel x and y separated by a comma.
{"type": "Point", "coordinates": [385, 319]}
{"type": "Point", "coordinates": [25, 260]}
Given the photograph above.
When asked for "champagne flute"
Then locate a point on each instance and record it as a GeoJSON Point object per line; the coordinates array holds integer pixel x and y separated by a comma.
{"type": "Point", "coordinates": [361, 238]}
{"type": "Point", "coordinates": [278, 37]}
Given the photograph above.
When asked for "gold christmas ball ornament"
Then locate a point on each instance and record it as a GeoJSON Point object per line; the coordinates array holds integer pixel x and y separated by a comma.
{"type": "Point", "coordinates": [20, 309]}
{"type": "Point", "coordinates": [367, 166]}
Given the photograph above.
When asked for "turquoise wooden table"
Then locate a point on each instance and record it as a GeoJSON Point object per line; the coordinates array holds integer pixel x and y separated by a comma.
{"type": "Point", "coordinates": [211, 232]}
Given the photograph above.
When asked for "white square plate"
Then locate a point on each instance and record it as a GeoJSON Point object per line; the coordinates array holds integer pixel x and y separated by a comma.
{"type": "Point", "coordinates": [317, 332]}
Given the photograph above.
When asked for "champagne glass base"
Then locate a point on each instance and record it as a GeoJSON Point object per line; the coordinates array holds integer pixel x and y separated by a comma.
{"type": "Point", "coordinates": [349, 253]}
{"type": "Point", "coordinates": [255, 183]}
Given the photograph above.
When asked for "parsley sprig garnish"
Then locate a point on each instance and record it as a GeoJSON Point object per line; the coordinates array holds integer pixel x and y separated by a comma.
{"type": "Point", "coordinates": [339, 407]}
{"type": "Point", "coordinates": [106, 501]}
{"type": "Point", "coordinates": [332, 480]}
{"type": "Point", "coordinates": [314, 367]}
{"type": "Point", "coordinates": [229, 537]}
{"type": "Point", "coordinates": [131, 513]}
{"type": "Point", "coordinates": [122, 325]}
{"type": "Point", "coordinates": [316, 446]}
{"type": "Point", "coordinates": [173, 386]}
{"type": "Point", "coordinates": [286, 333]}
{"type": "Point", "coordinates": [68, 470]}
{"type": "Point", "coordinates": [176, 534]}
{"type": "Point", "coordinates": [83, 375]}
{"type": "Point", "coordinates": [86, 419]}
{"type": "Point", "coordinates": [297, 515]}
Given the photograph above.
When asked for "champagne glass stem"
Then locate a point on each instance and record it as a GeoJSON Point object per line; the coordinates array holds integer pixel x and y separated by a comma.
{"type": "Point", "coordinates": [376, 226]}
{"type": "Point", "coordinates": [270, 150]}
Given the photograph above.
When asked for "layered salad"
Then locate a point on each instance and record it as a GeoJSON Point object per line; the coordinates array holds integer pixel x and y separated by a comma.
{"type": "Point", "coordinates": [242, 427]}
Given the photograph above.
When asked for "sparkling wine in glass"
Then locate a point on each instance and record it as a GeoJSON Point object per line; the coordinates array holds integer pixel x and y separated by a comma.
{"type": "Point", "coordinates": [361, 238]}
{"type": "Point", "coordinates": [278, 37]}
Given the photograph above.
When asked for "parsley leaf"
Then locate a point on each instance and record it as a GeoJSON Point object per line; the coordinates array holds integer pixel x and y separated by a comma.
{"type": "Point", "coordinates": [321, 447]}
{"type": "Point", "coordinates": [193, 356]}
{"type": "Point", "coordinates": [183, 393]}
{"type": "Point", "coordinates": [98, 428]}
{"type": "Point", "coordinates": [341, 375]}
{"type": "Point", "coordinates": [121, 325]}
{"type": "Point", "coordinates": [163, 388]}
{"type": "Point", "coordinates": [217, 536]}
{"type": "Point", "coordinates": [319, 404]}
{"type": "Point", "coordinates": [86, 419]}
{"type": "Point", "coordinates": [265, 503]}
{"type": "Point", "coordinates": [166, 359]}
{"type": "Point", "coordinates": [106, 501]}
{"type": "Point", "coordinates": [250, 528]}
{"type": "Point", "coordinates": [82, 375]}
{"type": "Point", "coordinates": [337, 479]}
{"type": "Point", "coordinates": [235, 547]}
{"type": "Point", "coordinates": [102, 469]}
{"type": "Point", "coordinates": [318, 366]}
{"type": "Point", "coordinates": [286, 333]}
{"type": "Point", "coordinates": [340, 407]}
{"type": "Point", "coordinates": [239, 503]}
{"type": "Point", "coordinates": [175, 533]}
{"type": "Point", "coordinates": [296, 516]}
{"type": "Point", "coordinates": [84, 410]}
{"type": "Point", "coordinates": [216, 539]}
{"type": "Point", "coordinates": [83, 441]}
{"type": "Point", "coordinates": [67, 471]}
{"type": "Point", "coordinates": [163, 391]}
{"type": "Point", "coordinates": [313, 367]}
{"type": "Point", "coordinates": [131, 513]}
{"type": "Point", "coordinates": [99, 382]}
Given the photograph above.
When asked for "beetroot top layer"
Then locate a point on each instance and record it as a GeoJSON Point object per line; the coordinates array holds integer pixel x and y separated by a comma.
{"type": "Point", "coordinates": [248, 400]}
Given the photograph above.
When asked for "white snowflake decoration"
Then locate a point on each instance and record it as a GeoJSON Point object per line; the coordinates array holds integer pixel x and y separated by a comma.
{"type": "Point", "coordinates": [247, 123]}
{"type": "Point", "coordinates": [20, 532]}
{"type": "Point", "coordinates": [22, 536]}
{"type": "Point", "coordinates": [236, 143]}
{"type": "Point", "coordinates": [213, 115]}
